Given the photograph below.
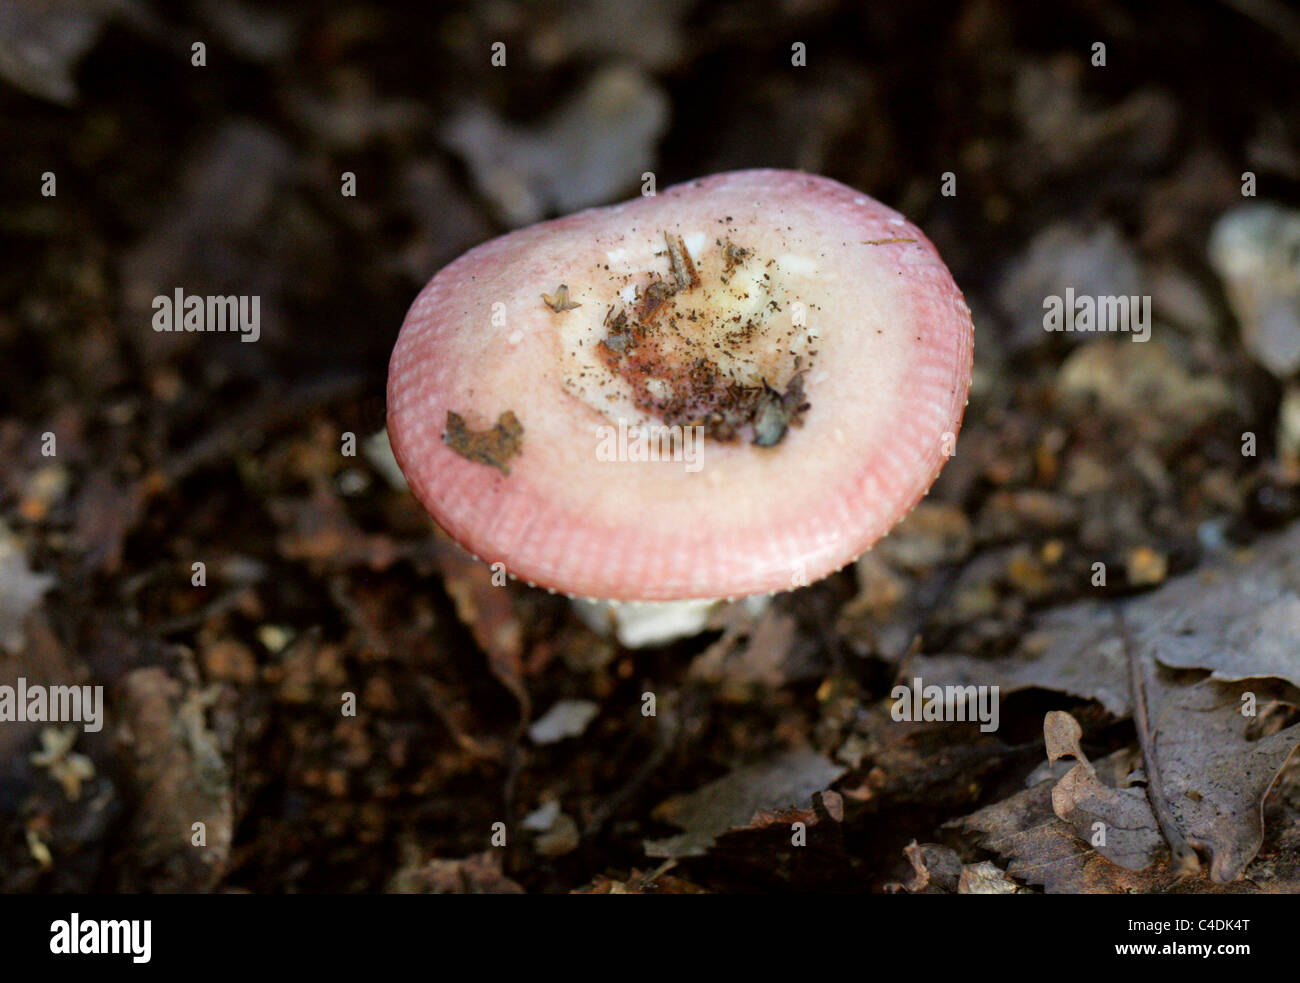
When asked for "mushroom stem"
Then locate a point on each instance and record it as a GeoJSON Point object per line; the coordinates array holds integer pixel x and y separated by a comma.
{"type": "Point", "coordinates": [643, 624]}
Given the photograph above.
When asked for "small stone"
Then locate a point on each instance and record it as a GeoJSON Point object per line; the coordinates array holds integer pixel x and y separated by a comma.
{"type": "Point", "coordinates": [1255, 248]}
{"type": "Point", "coordinates": [1178, 298]}
{"type": "Point", "coordinates": [567, 718]}
{"type": "Point", "coordinates": [1143, 385]}
{"type": "Point", "coordinates": [352, 482]}
{"type": "Point", "coordinates": [976, 594]}
{"type": "Point", "coordinates": [1091, 262]}
{"type": "Point", "coordinates": [1026, 574]}
{"type": "Point", "coordinates": [274, 637]}
{"type": "Point", "coordinates": [1085, 473]}
{"type": "Point", "coordinates": [542, 818]}
{"type": "Point", "coordinates": [1147, 567]}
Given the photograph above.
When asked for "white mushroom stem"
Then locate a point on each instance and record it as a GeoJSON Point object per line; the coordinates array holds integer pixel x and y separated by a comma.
{"type": "Point", "coordinates": [641, 624]}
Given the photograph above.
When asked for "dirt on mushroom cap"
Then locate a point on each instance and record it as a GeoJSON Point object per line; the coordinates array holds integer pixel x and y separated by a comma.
{"type": "Point", "coordinates": [494, 446]}
{"type": "Point", "coordinates": [665, 343]}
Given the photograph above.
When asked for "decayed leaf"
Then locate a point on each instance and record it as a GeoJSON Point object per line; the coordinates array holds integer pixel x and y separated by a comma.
{"type": "Point", "coordinates": [42, 43]}
{"type": "Point", "coordinates": [1128, 834]}
{"type": "Point", "coordinates": [1074, 649]}
{"type": "Point", "coordinates": [985, 878]}
{"type": "Point", "coordinates": [1239, 619]}
{"type": "Point", "coordinates": [936, 869]}
{"type": "Point", "coordinates": [1215, 777]}
{"type": "Point", "coordinates": [319, 530]}
{"type": "Point", "coordinates": [582, 156]}
{"type": "Point", "coordinates": [565, 719]}
{"type": "Point", "coordinates": [1215, 780]}
{"type": "Point", "coordinates": [1043, 850]}
{"type": "Point", "coordinates": [757, 795]}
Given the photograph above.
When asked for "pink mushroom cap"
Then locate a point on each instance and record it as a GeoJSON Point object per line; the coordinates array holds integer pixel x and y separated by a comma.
{"type": "Point", "coordinates": [812, 338]}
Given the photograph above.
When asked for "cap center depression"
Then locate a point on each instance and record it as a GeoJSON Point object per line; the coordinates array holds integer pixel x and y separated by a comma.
{"type": "Point", "coordinates": [693, 332]}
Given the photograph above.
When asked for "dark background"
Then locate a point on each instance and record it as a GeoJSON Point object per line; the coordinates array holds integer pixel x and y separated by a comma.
{"type": "Point", "coordinates": [322, 578]}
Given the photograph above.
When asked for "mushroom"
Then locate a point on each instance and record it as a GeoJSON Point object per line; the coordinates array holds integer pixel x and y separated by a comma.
{"type": "Point", "coordinates": [730, 388]}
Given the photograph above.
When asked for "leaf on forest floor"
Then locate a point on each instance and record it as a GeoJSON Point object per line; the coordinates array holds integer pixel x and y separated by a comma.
{"type": "Point", "coordinates": [1239, 619]}
{"type": "Point", "coordinates": [1220, 748]}
{"type": "Point", "coordinates": [750, 797]}
{"type": "Point", "coordinates": [1117, 822]}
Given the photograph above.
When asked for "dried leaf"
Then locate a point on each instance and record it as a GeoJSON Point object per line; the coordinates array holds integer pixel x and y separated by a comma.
{"type": "Point", "coordinates": [1215, 780]}
{"type": "Point", "coordinates": [588, 152]}
{"type": "Point", "coordinates": [1128, 834]}
{"type": "Point", "coordinates": [750, 656]}
{"type": "Point", "coordinates": [1215, 775]}
{"type": "Point", "coordinates": [493, 446]}
{"type": "Point", "coordinates": [748, 797]}
{"type": "Point", "coordinates": [936, 869]}
{"type": "Point", "coordinates": [1239, 619]}
{"type": "Point", "coordinates": [1043, 849]}
{"type": "Point", "coordinates": [985, 878]}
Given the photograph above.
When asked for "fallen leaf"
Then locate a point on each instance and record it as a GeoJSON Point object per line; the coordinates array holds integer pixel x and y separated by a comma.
{"type": "Point", "coordinates": [936, 869]}
{"type": "Point", "coordinates": [1239, 618]}
{"type": "Point", "coordinates": [756, 795]}
{"type": "Point", "coordinates": [1043, 849]}
{"type": "Point", "coordinates": [985, 878]}
{"type": "Point", "coordinates": [1129, 834]}
{"type": "Point", "coordinates": [1215, 775]}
